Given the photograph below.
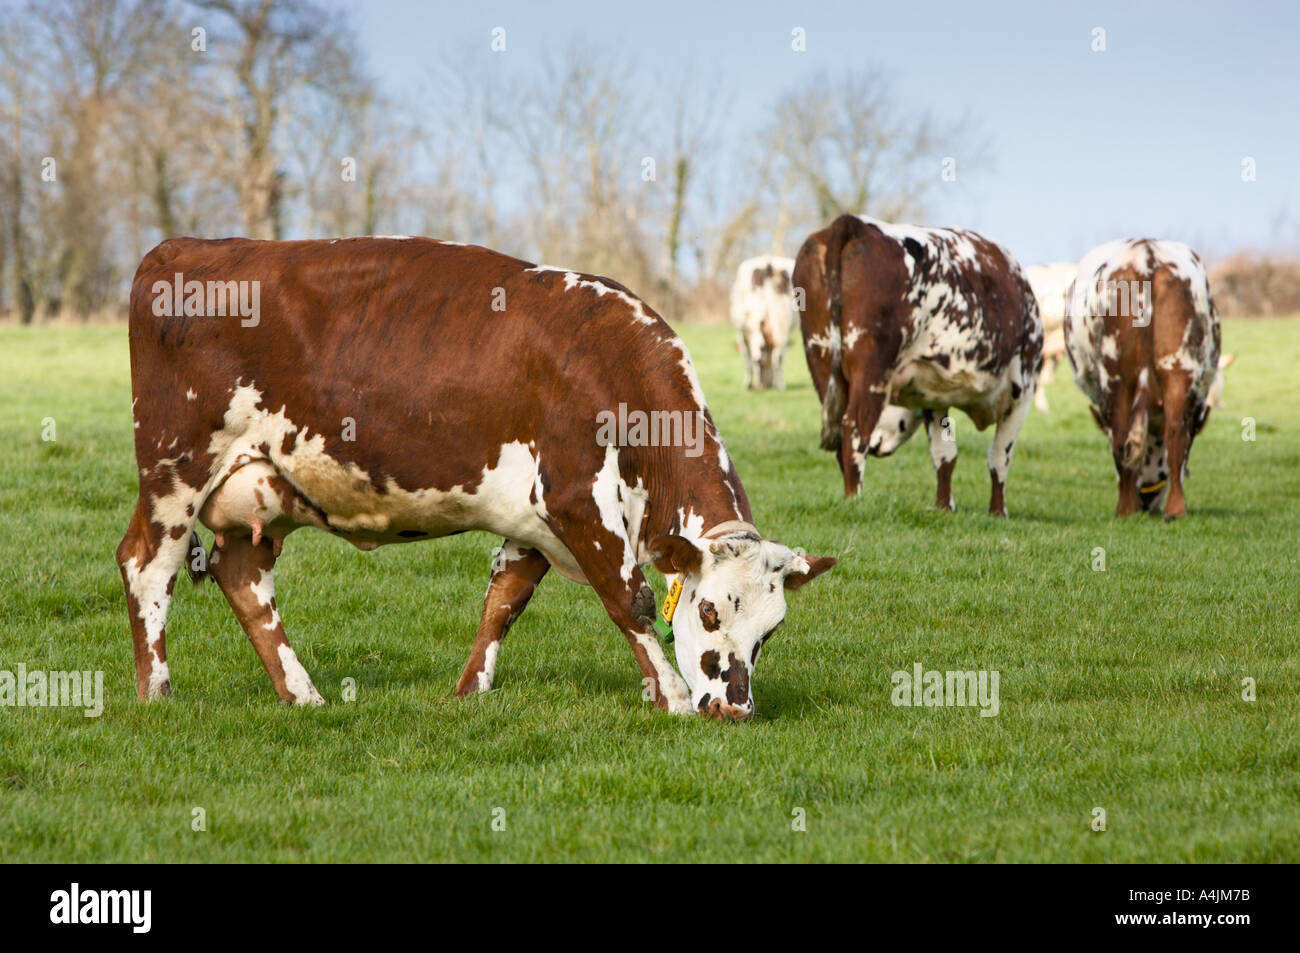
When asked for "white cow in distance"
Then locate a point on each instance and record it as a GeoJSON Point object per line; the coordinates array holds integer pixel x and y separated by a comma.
{"type": "Point", "coordinates": [1051, 284]}
{"type": "Point", "coordinates": [763, 313]}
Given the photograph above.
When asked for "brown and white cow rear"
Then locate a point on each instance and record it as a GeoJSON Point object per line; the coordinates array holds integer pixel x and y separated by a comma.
{"type": "Point", "coordinates": [1143, 338]}
{"type": "Point", "coordinates": [900, 319]}
{"type": "Point", "coordinates": [384, 396]}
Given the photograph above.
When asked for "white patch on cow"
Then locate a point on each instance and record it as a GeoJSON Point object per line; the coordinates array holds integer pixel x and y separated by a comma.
{"type": "Point", "coordinates": [573, 279]}
{"type": "Point", "coordinates": [296, 679]}
{"type": "Point", "coordinates": [688, 368]}
{"type": "Point", "coordinates": [394, 238]}
{"type": "Point", "coordinates": [484, 678]}
{"type": "Point", "coordinates": [690, 524]}
{"type": "Point", "coordinates": [619, 508]}
{"type": "Point", "coordinates": [158, 676]}
{"type": "Point", "coordinates": [674, 689]}
{"type": "Point", "coordinates": [264, 588]}
{"type": "Point", "coordinates": [191, 394]}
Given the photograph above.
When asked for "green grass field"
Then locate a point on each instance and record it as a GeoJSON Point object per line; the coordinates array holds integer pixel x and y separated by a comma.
{"type": "Point", "coordinates": [1119, 689]}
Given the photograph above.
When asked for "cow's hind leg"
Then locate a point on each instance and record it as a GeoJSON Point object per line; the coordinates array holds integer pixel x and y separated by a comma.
{"type": "Point", "coordinates": [1178, 431]}
{"type": "Point", "coordinates": [150, 555]}
{"type": "Point", "coordinates": [516, 571]}
{"type": "Point", "coordinates": [943, 453]}
{"type": "Point", "coordinates": [1004, 443]}
{"type": "Point", "coordinates": [246, 574]}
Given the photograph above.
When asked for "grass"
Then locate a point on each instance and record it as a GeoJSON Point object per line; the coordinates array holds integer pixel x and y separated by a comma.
{"type": "Point", "coordinates": [1119, 689]}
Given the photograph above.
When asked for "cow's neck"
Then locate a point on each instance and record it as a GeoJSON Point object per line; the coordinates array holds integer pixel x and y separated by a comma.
{"type": "Point", "coordinates": [693, 496]}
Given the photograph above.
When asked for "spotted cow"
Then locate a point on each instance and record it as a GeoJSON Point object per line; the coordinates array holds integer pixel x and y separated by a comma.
{"type": "Point", "coordinates": [763, 314]}
{"type": "Point", "coordinates": [902, 323]}
{"type": "Point", "coordinates": [1143, 339]}
{"type": "Point", "coordinates": [1050, 284]}
{"type": "Point", "coordinates": [406, 389]}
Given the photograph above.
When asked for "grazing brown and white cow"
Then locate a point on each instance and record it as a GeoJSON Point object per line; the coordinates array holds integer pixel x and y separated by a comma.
{"type": "Point", "coordinates": [393, 390]}
{"type": "Point", "coordinates": [1143, 338]}
{"type": "Point", "coordinates": [762, 312]}
{"type": "Point", "coordinates": [1050, 283]}
{"type": "Point", "coordinates": [899, 319]}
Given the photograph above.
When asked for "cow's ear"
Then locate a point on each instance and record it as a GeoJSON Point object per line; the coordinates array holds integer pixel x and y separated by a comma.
{"type": "Point", "coordinates": [806, 569]}
{"type": "Point", "coordinates": [675, 554]}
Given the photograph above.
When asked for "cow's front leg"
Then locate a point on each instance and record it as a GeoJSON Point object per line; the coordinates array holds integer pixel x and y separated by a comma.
{"type": "Point", "coordinates": [1004, 442]}
{"type": "Point", "coordinates": [631, 605]}
{"type": "Point", "coordinates": [246, 574]}
{"type": "Point", "coordinates": [943, 453]}
{"type": "Point", "coordinates": [516, 571]}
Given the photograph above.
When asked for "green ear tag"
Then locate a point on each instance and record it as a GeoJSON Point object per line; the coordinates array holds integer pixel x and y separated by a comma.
{"type": "Point", "coordinates": [664, 624]}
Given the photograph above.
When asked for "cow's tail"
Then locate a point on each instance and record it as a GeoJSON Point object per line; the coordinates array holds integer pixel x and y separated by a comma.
{"type": "Point", "coordinates": [842, 231]}
{"type": "Point", "coordinates": [197, 563]}
{"type": "Point", "coordinates": [1139, 417]}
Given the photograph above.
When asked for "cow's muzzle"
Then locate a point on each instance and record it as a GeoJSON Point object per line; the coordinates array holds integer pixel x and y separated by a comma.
{"type": "Point", "coordinates": [718, 709]}
{"type": "Point", "coordinates": [1147, 495]}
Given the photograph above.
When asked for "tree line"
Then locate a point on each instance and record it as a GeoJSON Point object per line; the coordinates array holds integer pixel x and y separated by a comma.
{"type": "Point", "coordinates": [130, 121]}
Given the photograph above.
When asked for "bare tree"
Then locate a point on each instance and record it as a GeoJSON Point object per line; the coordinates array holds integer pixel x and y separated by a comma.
{"type": "Point", "coordinates": [278, 45]}
{"type": "Point", "coordinates": [848, 145]}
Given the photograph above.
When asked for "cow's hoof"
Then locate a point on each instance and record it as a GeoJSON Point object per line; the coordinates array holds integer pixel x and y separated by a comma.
{"type": "Point", "coordinates": [314, 700]}
{"type": "Point", "coordinates": [157, 692]}
{"type": "Point", "coordinates": [677, 703]}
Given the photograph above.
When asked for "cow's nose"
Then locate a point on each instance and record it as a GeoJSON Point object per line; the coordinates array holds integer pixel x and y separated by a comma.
{"type": "Point", "coordinates": [874, 449]}
{"type": "Point", "coordinates": [720, 710]}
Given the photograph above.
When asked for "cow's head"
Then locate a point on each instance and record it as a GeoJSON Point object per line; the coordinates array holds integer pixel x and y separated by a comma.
{"type": "Point", "coordinates": [1153, 476]}
{"type": "Point", "coordinates": [733, 599]}
{"type": "Point", "coordinates": [895, 426]}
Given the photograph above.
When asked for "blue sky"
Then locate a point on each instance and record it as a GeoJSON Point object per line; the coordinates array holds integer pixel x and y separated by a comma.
{"type": "Point", "coordinates": [1147, 137]}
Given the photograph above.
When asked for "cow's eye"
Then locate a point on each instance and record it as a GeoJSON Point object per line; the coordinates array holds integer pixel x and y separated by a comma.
{"type": "Point", "coordinates": [709, 616]}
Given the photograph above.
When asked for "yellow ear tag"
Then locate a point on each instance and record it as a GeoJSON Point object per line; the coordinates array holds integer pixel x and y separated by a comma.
{"type": "Point", "coordinates": [664, 624]}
